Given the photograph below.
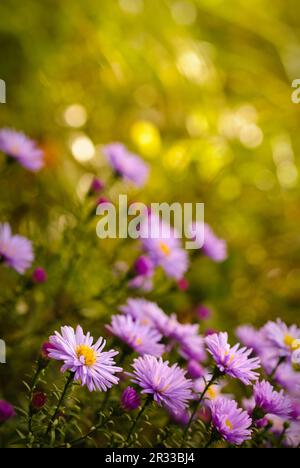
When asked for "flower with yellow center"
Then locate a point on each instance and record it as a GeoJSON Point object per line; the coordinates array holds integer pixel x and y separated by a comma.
{"type": "Point", "coordinates": [212, 393]}
{"type": "Point", "coordinates": [88, 353]}
{"type": "Point", "coordinates": [165, 249]}
{"type": "Point", "coordinates": [228, 424]}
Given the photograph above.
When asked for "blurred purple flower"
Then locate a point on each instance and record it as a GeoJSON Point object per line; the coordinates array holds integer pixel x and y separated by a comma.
{"type": "Point", "coordinates": [281, 338]}
{"type": "Point", "coordinates": [130, 399]}
{"type": "Point", "coordinates": [232, 423]}
{"type": "Point", "coordinates": [163, 247]}
{"type": "Point", "coordinates": [213, 247]}
{"type": "Point", "coordinates": [127, 165]}
{"type": "Point", "coordinates": [92, 367]}
{"type": "Point", "coordinates": [39, 275]}
{"type": "Point", "coordinates": [146, 312]}
{"type": "Point", "coordinates": [251, 338]}
{"type": "Point", "coordinates": [204, 313]}
{"type": "Point", "coordinates": [144, 266]}
{"type": "Point", "coordinates": [97, 185]}
{"type": "Point", "coordinates": [18, 146]}
{"type": "Point", "coordinates": [39, 399]}
{"type": "Point", "coordinates": [15, 251]}
{"type": "Point", "coordinates": [141, 338]}
{"type": "Point", "coordinates": [6, 411]}
{"type": "Point", "coordinates": [166, 383]}
{"type": "Point", "coordinates": [195, 370]}
{"type": "Point", "coordinates": [233, 361]}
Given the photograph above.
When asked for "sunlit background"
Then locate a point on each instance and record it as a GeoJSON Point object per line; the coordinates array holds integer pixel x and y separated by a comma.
{"type": "Point", "coordinates": [199, 88]}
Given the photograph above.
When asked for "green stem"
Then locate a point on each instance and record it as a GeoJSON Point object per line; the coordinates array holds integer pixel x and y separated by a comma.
{"type": "Point", "coordinates": [60, 402]}
{"type": "Point", "coordinates": [280, 361]}
{"type": "Point", "coordinates": [142, 410]}
{"type": "Point", "coordinates": [215, 376]}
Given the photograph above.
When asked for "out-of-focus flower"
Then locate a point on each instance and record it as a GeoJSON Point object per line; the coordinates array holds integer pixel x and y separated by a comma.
{"type": "Point", "coordinates": [15, 251]}
{"type": "Point", "coordinates": [195, 370]}
{"type": "Point", "coordinates": [233, 361]}
{"type": "Point", "coordinates": [283, 339]}
{"type": "Point", "coordinates": [183, 284]}
{"type": "Point", "coordinates": [46, 348]}
{"type": "Point", "coordinates": [213, 247]}
{"type": "Point", "coordinates": [130, 399]}
{"type": "Point", "coordinates": [288, 378]}
{"type": "Point", "coordinates": [146, 312]}
{"type": "Point", "coordinates": [18, 146]}
{"type": "Point", "coordinates": [90, 364]}
{"type": "Point", "coordinates": [213, 393]}
{"type": "Point", "coordinates": [166, 383]}
{"type": "Point", "coordinates": [6, 411]}
{"type": "Point", "coordinates": [181, 418]}
{"type": "Point", "coordinates": [141, 338]}
{"type": "Point", "coordinates": [97, 185]}
{"type": "Point", "coordinates": [127, 165]}
{"type": "Point", "coordinates": [204, 313]}
{"type": "Point", "coordinates": [251, 338]}
{"type": "Point", "coordinates": [292, 435]}
{"type": "Point", "coordinates": [232, 423]}
{"type": "Point", "coordinates": [163, 246]}
{"type": "Point", "coordinates": [39, 399]}
{"type": "Point", "coordinates": [39, 275]}
{"type": "Point", "coordinates": [269, 401]}
{"type": "Point", "coordinates": [144, 266]}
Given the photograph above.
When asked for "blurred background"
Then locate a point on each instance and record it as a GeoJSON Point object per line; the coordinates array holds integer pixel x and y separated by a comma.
{"type": "Point", "coordinates": [199, 88]}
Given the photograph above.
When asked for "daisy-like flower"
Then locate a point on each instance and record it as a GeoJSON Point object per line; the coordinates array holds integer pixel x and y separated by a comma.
{"type": "Point", "coordinates": [233, 361]}
{"type": "Point", "coordinates": [292, 435]}
{"type": "Point", "coordinates": [126, 165]}
{"type": "Point", "coordinates": [18, 146]}
{"type": "Point", "coordinates": [141, 338]}
{"type": "Point", "coordinates": [163, 246]}
{"type": "Point", "coordinates": [251, 338]}
{"type": "Point", "coordinates": [288, 378]}
{"type": "Point", "coordinates": [166, 383]}
{"type": "Point", "coordinates": [90, 364]}
{"type": "Point", "coordinates": [231, 422]}
{"type": "Point", "coordinates": [146, 312]}
{"type": "Point", "coordinates": [269, 401]}
{"type": "Point", "coordinates": [283, 339]}
{"type": "Point", "coordinates": [212, 246]}
{"type": "Point", "coordinates": [15, 251]}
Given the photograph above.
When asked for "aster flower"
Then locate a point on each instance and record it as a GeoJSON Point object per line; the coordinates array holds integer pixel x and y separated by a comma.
{"type": "Point", "coordinates": [195, 370]}
{"type": "Point", "coordinates": [233, 361]}
{"type": "Point", "coordinates": [130, 399]}
{"type": "Point", "coordinates": [141, 338]}
{"type": "Point", "coordinates": [166, 383]}
{"type": "Point", "coordinates": [146, 312]}
{"type": "Point", "coordinates": [269, 401]}
{"type": "Point", "coordinates": [251, 337]}
{"type": "Point", "coordinates": [127, 165]}
{"type": "Point", "coordinates": [212, 246]}
{"type": "Point", "coordinates": [18, 146]}
{"type": "Point", "coordinates": [39, 275]}
{"type": "Point", "coordinates": [292, 435]}
{"type": "Point", "coordinates": [90, 364]}
{"type": "Point", "coordinates": [6, 411]}
{"type": "Point", "coordinates": [162, 244]}
{"type": "Point", "coordinates": [231, 422]}
{"type": "Point", "coordinates": [288, 378]}
{"type": "Point", "coordinates": [281, 338]}
{"type": "Point", "coordinates": [15, 251]}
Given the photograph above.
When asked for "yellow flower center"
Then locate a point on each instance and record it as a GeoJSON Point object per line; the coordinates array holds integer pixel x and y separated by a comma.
{"type": "Point", "coordinates": [288, 341]}
{"type": "Point", "coordinates": [228, 424]}
{"type": "Point", "coordinates": [88, 353]}
{"type": "Point", "coordinates": [212, 393]}
{"type": "Point", "coordinates": [296, 345]}
{"type": "Point", "coordinates": [165, 249]}
{"type": "Point", "coordinates": [138, 341]}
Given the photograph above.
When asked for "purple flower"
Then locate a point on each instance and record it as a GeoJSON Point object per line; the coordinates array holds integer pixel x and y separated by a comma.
{"type": "Point", "coordinates": [288, 378]}
{"type": "Point", "coordinates": [232, 423]}
{"type": "Point", "coordinates": [144, 266]}
{"type": "Point", "coordinates": [233, 361]}
{"type": "Point", "coordinates": [162, 244]}
{"type": "Point", "coordinates": [15, 251]}
{"type": "Point", "coordinates": [166, 383]}
{"type": "Point", "coordinates": [39, 399]}
{"type": "Point", "coordinates": [212, 246]}
{"type": "Point", "coordinates": [204, 313]}
{"type": "Point", "coordinates": [127, 165]}
{"type": "Point", "coordinates": [39, 275]}
{"type": "Point", "coordinates": [292, 435]}
{"type": "Point", "coordinates": [130, 399]}
{"type": "Point", "coordinates": [97, 185]}
{"type": "Point", "coordinates": [270, 401]}
{"type": "Point", "coordinates": [251, 338]}
{"type": "Point", "coordinates": [195, 370]}
{"type": "Point", "coordinates": [141, 338]}
{"type": "Point", "coordinates": [281, 338]}
{"type": "Point", "coordinates": [91, 366]}
{"type": "Point", "coordinates": [18, 146]}
{"type": "Point", "coordinates": [146, 312]}
{"type": "Point", "coordinates": [6, 411]}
